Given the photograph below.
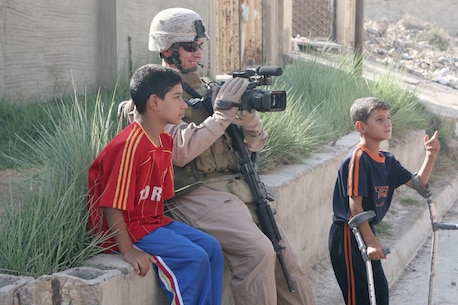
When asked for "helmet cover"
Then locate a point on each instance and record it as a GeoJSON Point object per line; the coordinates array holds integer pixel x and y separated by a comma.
{"type": "Point", "coordinates": [174, 25]}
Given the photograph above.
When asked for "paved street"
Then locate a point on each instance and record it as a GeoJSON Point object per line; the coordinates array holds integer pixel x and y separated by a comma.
{"type": "Point", "coordinates": [412, 287]}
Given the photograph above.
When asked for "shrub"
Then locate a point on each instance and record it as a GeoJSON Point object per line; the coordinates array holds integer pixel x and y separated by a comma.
{"type": "Point", "coordinates": [44, 230]}
{"type": "Point", "coordinates": [436, 37]}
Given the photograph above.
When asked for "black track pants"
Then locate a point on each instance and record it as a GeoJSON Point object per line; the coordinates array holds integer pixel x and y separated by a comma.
{"type": "Point", "coordinates": [350, 269]}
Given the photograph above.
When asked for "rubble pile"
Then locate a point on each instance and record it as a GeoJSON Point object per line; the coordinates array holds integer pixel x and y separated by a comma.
{"type": "Point", "coordinates": [418, 47]}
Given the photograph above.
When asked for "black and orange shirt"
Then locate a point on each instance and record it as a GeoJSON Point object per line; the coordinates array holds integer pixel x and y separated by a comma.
{"type": "Point", "coordinates": [133, 175]}
{"type": "Point", "coordinates": [374, 177]}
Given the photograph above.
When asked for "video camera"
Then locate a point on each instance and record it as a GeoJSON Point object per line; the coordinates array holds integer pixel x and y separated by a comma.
{"type": "Point", "coordinates": [260, 100]}
{"type": "Point", "coordinates": [264, 101]}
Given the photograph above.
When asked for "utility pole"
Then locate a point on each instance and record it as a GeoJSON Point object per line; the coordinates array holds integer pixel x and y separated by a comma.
{"type": "Point", "coordinates": [359, 35]}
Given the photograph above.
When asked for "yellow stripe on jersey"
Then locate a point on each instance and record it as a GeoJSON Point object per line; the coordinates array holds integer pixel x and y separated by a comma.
{"type": "Point", "coordinates": [125, 168]}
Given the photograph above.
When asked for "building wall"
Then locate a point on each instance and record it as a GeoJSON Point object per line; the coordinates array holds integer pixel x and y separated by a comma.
{"type": "Point", "coordinates": [44, 44]}
{"type": "Point", "coordinates": [49, 48]}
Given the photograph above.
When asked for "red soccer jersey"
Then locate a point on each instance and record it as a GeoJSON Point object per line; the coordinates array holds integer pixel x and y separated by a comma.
{"type": "Point", "coordinates": [132, 174]}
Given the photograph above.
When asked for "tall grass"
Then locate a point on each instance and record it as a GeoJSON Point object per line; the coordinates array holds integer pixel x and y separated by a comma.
{"type": "Point", "coordinates": [43, 230]}
{"type": "Point", "coordinates": [319, 96]}
{"type": "Point", "coordinates": [20, 120]}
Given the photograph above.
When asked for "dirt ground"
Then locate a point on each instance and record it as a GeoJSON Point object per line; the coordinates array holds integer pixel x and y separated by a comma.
{"type": "Point", "coordinates": [412, 286]}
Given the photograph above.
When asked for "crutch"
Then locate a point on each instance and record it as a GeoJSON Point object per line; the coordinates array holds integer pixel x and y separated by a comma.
{"type": "Point", "coordinates": [436, 226]}
{"type": "Point", "coordinates": [354, 223]}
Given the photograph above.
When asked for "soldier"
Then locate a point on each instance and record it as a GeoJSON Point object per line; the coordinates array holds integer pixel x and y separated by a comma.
{"type": "Point", "coordinates": [211, 193]}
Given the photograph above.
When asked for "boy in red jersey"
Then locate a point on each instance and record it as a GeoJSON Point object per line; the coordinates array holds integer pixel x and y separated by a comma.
{"type": "Point", "coordinates": [366, 180]}
{"type": "Point", "coordinates": [128, 183]}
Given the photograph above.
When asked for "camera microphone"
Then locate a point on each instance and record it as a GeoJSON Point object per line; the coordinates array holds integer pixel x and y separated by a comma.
{"type": "Point", "coordinates": [269, 70]}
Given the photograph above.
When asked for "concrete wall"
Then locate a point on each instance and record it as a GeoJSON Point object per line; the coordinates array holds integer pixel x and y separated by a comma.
{"type": "Point", "coordinates": [48, 47]}
{"type": "Point", "coordinates": [303, 195]}
{"type": "Point", "coordinates": [43, 43]}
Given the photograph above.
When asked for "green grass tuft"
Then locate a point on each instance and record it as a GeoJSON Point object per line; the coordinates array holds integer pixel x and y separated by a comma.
{"type": "Point", "coordinates": [44, 229]}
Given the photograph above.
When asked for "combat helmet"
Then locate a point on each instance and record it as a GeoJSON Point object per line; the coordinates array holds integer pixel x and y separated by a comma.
{"type": "Point", "coordinates": [175, 25]}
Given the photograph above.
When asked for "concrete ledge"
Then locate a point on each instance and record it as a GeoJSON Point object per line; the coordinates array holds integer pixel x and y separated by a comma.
{"type": "Point", "coordinates": [9, 286]}
{"type": "Point", "coordinates": [303, 195]}
{"type": "Point", "coordinates": [131, 288]}
{"type": "Point", "coordinates": [107, 280]}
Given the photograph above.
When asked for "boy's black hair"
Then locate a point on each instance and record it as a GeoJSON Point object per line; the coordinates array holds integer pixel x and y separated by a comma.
{"type": "Point", "coordinates": [152, 79]}
{"type": "Point", "coordinates": [362, 107]}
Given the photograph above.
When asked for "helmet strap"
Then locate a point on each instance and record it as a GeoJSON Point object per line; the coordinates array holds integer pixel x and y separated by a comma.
{"type": "Point", "coordinates": [174, 59]}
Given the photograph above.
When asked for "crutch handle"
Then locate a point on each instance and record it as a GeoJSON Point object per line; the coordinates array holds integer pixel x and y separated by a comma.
{"type": "Point", "coordinates": [446, 226]}
{"type": "Point", "coordinates": [356, 220]}
{"type": "Point", "coordinates": [366, 256]}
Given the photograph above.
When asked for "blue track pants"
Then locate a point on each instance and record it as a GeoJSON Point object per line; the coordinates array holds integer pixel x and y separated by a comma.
{"type": "Point", "coordinates": [190, 263]}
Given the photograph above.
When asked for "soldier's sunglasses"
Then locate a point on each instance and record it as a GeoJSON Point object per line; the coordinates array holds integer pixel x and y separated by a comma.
{"type": "Point", "coordinates": [191, 47]}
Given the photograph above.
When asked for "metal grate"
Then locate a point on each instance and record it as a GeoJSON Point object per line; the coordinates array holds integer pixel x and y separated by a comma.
{"type": "Point", "coordinates": [312, 18]}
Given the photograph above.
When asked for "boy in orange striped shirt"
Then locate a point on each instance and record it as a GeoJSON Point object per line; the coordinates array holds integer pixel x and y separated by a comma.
{"type": "Point", "coordinates": [366, 180]}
